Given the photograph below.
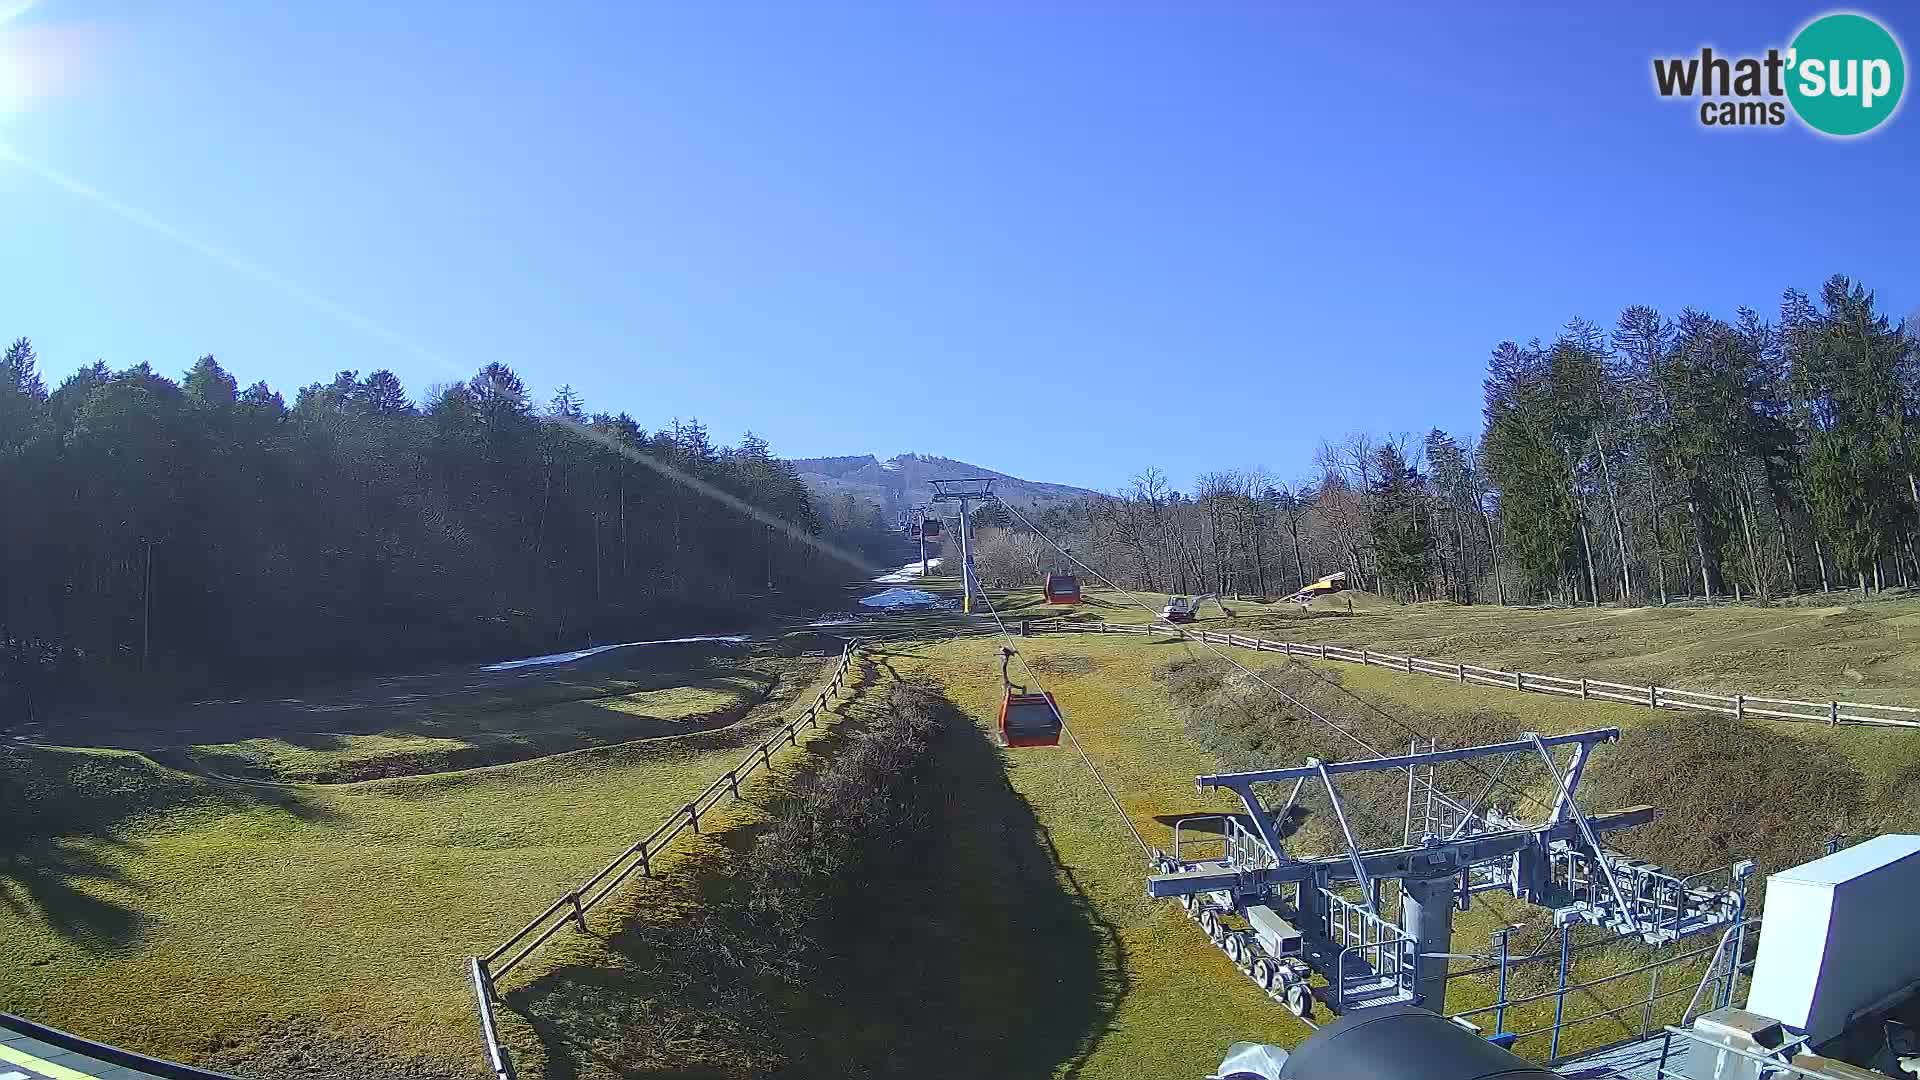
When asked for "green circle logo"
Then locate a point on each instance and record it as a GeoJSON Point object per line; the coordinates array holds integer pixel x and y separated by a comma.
{"type": "Point", "coordinates": [1845, 74]}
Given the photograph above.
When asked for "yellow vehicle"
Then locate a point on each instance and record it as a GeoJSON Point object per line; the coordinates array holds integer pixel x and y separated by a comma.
{"type": "Point", "coordinates": [1326, 586]}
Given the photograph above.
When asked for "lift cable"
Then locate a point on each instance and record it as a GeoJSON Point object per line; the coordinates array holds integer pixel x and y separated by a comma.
{"type": "Point", "coordinates": [1145, 850]}
{"type": "Point", "coordinates": [1494, 780]}
{"type": "Point", "coordinates": [1250, 673]}
{"type": "Point", "coordinates": [1396, 721]}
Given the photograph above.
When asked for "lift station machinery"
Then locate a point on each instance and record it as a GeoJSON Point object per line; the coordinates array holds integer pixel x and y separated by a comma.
{"type": "Point", "coordinates": [1321, 915]}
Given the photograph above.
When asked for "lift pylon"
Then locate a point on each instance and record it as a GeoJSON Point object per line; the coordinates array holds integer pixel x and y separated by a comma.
{"type": "Point", "coordinates": [966, 491]}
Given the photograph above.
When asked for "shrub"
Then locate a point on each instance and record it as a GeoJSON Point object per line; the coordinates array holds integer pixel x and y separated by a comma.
{"type": "Point", "coordinates": [1006, 560]}
{"type": "Point", "coordinates": [863, 802]}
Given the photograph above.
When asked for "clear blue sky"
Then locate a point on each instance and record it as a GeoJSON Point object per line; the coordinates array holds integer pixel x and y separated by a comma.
{"type": "Point", "coordinates": [1232, 228]}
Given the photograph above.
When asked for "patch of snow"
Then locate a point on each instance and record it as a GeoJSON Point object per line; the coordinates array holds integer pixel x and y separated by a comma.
{"type": "Point", "coordinates": [905, 573]}
{"type": "Point", "coordinates": [900, 598]}
{"type": "Point", "coordinates": [581, 654]}
{"type": "Point", "coordinates": [838, 620]}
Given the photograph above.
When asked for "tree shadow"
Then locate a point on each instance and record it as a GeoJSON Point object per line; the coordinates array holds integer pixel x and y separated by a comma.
{"type": "Point", "coordinates": [44, 881]}
{"type": "Point", "coordinates": [67, 818]}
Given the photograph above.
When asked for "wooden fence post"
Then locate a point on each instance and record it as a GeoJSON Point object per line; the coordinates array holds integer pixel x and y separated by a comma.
{"type": "Point", "coordinates": [1460, 674]}
{"type": "Point", "coordinates": [646, 861]}
{"type": "Point", "coordinates": [1739, 706]}
{"type": "Point", "coordinates": [1366, 657]}
{"type": "Point", "coordinates": [1833, 714]}
{"type": "Point", "coordinates": [1323, 652]}
{"type": "Point", "coordinates": [1583, 688]}
{"type": "Point", "coordinates": [1287, 647]}
{"type": "Point", "coordinates": [1653, 697]}
{"type": "Point", "coordinates": [733, 783]}
{"type": "Point", "coordinates": [693, 815]}
{"type": "Point", "coordinates": [1519, 682]}
{"type": "Point", "coordinates": [579, 913]}
{"type": "Point", "coordinates": [1409, 663]}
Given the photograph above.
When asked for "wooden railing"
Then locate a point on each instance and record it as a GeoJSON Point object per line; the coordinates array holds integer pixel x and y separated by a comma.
{"type": "Point", "coordinates": [1740, 706]}
{"type": "Point", "coordinates": [573, 905]}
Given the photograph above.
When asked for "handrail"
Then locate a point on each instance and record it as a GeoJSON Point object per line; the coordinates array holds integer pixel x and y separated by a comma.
{"type": "Point", "coordinates": [1711, 975]}
{"type": "Point", "coordinates": [483, 996]}
{"type": "Point", "coordinates": [573, 905]}
{"type": "Point", "coordinates": [1832, 713]}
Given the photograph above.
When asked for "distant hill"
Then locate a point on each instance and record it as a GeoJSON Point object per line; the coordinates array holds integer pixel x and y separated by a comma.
{"type": "Point", "coordinates": [901, 481]}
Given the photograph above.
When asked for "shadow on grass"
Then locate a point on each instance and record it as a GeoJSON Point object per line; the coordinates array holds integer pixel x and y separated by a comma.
{"type": "Point", "coordinates": [67, 815]}
{"type": "Point", "coordinates": [452, 743]}
{"type": "Point", "coordinates": [45, 880]}
{"type": "Point", "coordinates": [957, 953]}
{"type": "Point", "coordinates": [425, 705]}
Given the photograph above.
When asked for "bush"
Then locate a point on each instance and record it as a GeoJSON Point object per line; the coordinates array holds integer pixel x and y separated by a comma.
{"type": "Point", "coordinates": [1723, 789]}
{"type": "Point", "coordinates": [863, 802]}
{"type": "Point", "coordinates": [1728, 789]}
{"type": "Point", "coordinates": [1247, 724]}
{"type": "Point", "coordinates": [1007, 560]}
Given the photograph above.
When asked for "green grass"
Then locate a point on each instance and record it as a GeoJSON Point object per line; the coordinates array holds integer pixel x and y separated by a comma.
{"type": "Point", "coordinates": [962, 954]}
{"type": "Point", "coordinates": [1865, 652]}
{"type": "Point", "coordinates": [443, 743]}
{"type": "Point", "coordinates": [1181, 1002]}
{"type": "Point", "coordinates": [1176, 1004]}
{"type": "Point", "coordinates": [215, 921]}
{"type": "Point", "coordinates": [1016, 942]}
{"type": "Point", "coordinates": [309, 927]}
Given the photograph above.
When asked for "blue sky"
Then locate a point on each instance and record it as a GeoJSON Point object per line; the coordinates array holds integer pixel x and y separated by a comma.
{"type": "Point", "coordinates": [1033, 236]}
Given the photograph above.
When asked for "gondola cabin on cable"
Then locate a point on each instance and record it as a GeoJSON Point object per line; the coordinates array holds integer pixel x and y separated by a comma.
{"type": "Point", "coordinates": [1063, 589]}
{"type": "Point", "coordinates": [932, 528]}
{"type": "Point", "coordinates": [1026, 719]}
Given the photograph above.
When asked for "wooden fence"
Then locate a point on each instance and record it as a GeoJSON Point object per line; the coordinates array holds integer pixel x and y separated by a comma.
{"type": "Point", "coordinates": [1740, 706]}
{"type": "Point", "coordinates": [572, 906]}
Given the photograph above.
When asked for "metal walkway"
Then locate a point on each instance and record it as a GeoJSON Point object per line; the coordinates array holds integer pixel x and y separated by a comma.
{"type": "Point", "coordinates": [30, 1051]}
{"type": "Point", "coordinates": [1638, 1059]}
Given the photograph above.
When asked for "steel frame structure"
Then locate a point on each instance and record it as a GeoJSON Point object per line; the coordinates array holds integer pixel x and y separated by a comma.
{"type": "Point", "coordinates": [965, 491]}
{"type": "Point", "coordinates": [1300, 921]}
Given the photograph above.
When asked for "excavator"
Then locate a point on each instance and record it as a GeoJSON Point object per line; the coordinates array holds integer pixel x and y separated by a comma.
{"type": "Point", "coordinates": [1184, 609]}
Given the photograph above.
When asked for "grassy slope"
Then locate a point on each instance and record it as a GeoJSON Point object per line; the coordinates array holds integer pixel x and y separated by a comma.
{"type": "Point", "coordinates": [1180, 1000]}
{"type": "Point", "coordinates": [504, 733]}
{"type": "Point", "coordinates": [204, 920]}
{"type": "Point", "coordinates": [1017, 943]}
{"type": "Point", "coordinates": [963, 956]}
{"type": "Point", "coordinates": [1866, 652]}
{"type": "Point", "coordinates": [208, 920]}
{"type": "Point", "coordinates": [1177, 1003]}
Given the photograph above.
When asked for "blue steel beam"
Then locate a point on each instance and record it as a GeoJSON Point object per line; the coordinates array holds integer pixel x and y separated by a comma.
{"type": "Point", "coordinates": [1403, 862]}
{"type": "Point", "coordinates": [1233, 781]}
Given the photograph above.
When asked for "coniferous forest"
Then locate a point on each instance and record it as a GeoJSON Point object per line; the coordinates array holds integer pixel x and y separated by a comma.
{"type": "Point", "coordinates": [168, 535]}
{"type": "Point", "coordinates": [1663, 457]}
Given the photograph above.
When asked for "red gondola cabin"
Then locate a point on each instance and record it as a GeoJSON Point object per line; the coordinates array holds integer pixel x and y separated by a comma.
{"type": "Point", "coordinates": [932, 528]}
{"type": "Point", "coordinates": [1063, 589]}
{"type": "Point", "coordinates": [1026, 719]}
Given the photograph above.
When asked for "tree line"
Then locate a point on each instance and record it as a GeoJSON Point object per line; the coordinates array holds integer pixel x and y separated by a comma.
{"type": "Point", "coordinates": [198, 531]}
{"type": "Point", "coordinates": [1664, 457]}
